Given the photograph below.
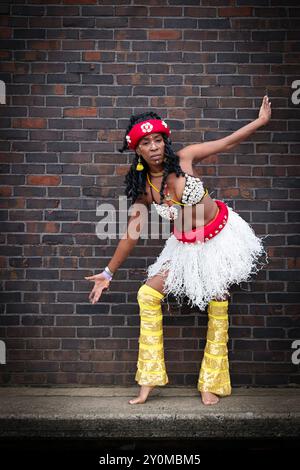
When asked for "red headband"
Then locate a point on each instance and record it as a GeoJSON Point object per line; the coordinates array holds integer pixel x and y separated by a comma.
{"type": "Point", "coordinates": [141, 129]}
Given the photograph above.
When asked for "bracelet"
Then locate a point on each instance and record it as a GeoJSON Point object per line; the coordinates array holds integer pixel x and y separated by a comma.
{"type": "Point", "coordinates": [108, 271]}
{"type": "Point", "coordinates": [108, 276]}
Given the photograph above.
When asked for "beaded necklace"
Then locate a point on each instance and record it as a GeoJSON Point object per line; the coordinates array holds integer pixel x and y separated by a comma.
{"type": "Point", "coordinates": [166, 210]}
{"type": "Point", "coordinates": [167, 194]}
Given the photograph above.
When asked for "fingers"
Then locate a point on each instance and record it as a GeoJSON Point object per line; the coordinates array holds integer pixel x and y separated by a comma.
{"type": "Point", "coordinates": [95, 295]}
{"type": "Point", "coordinates": [96, 292]}
{"type": "Point", "coordinates": [92, 297]}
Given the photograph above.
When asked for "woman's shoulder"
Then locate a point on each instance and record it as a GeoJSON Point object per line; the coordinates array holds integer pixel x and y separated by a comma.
{"type": "Point", "coordinates": [186, 166]}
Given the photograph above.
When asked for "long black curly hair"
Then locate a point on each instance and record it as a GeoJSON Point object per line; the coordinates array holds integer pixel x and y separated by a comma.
{"type": "Point", "coordinates": [136, 180]}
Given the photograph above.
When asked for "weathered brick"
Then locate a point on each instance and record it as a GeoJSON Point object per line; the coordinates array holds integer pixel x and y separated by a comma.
{"type": "Point", "coordinates": [80, 112]}
{"type": "Point", "coordinates": [239, 11]}
{"type": "Point", "coordinates": [43, 180]}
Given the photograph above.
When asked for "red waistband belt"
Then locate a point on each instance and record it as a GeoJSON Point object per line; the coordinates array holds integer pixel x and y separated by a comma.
{"type": "Point", "coordinates": [208, 231]}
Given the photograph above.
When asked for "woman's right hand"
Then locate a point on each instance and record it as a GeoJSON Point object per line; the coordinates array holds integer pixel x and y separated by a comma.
{"type": "Point", "coordinates": [101, 283]}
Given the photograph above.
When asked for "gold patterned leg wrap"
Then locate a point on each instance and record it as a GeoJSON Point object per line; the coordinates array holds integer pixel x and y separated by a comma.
{"type": "Point", "coordinates": [214, 372]}
{"type": "Point", "coordinates": [151, 368]}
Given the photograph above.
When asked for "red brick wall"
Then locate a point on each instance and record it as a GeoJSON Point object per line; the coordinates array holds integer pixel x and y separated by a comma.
{"type": "Point", "coordinates": [75, 71]}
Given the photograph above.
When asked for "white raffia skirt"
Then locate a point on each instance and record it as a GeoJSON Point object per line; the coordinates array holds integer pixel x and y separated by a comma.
{"type": "Point", "coordinates": [202, 272]}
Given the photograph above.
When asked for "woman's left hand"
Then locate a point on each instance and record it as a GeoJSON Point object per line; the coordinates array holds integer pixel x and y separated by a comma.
{"type": "Point", "coordinates": [265, 111]}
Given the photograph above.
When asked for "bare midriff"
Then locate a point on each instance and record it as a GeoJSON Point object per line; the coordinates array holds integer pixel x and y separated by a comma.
{"type": "Point", "coordinates": [198, 215]}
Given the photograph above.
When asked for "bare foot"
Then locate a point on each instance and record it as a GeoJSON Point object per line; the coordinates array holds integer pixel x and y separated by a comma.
{"type": "Point", "coordinates": [144, 392]}
{"type": "Point", "coordinates": [209, 398]}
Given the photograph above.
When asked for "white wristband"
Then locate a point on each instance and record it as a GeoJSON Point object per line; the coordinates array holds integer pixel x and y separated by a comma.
{"type": "Point", "coordinates": [108, 271]}
{"type": "Point", "coordinates": [108, 276]}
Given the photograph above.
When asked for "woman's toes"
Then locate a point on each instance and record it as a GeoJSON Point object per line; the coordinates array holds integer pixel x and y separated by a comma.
{"type": "Point", "coordinates": [134, 401]}
{"type": "Point", "coordinates": [144, 392]}
{"type": "Point", "coordinates": [209, 398]}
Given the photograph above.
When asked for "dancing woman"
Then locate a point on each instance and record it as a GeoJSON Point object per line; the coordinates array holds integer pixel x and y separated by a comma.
{"type": "Point", "coordinates": [200, 263]}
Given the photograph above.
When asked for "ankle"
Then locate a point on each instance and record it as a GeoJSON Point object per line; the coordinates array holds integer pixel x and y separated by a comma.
{"type": "Point", "coordinates": [147, 387]}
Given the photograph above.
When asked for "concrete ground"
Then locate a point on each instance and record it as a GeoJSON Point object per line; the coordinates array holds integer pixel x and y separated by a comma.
{"type": "Point", "coordinates": [169, 413]}
{"type": "Point", "coordinates": [86, 428]}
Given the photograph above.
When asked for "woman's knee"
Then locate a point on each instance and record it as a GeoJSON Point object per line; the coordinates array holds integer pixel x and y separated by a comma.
{"type": "Point", "coordinates": [149, 295]}
{"type": "Point", "coordinates": [157, 282]}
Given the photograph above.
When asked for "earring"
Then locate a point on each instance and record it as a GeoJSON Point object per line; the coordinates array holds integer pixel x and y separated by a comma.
{"type": "Point", "coordinates": [139, 166]}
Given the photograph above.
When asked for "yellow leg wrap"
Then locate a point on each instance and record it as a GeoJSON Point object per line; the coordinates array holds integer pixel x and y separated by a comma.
{"type": "Point", "coordinates": [214, 372]}
{"type": "Point", "coordinates": [151, 368]}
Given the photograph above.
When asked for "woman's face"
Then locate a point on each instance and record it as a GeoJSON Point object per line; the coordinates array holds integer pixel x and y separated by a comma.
{"type": "Point", "coordinates": [152, 149]}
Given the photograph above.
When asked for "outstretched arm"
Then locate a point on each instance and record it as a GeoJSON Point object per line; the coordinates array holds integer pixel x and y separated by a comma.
{"type": "Point", "coordinates": [131, 236]}
{"type": "Point", "coordinates": [197, 152]}
{"type": "Point", "coordinates": [125, 246]}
